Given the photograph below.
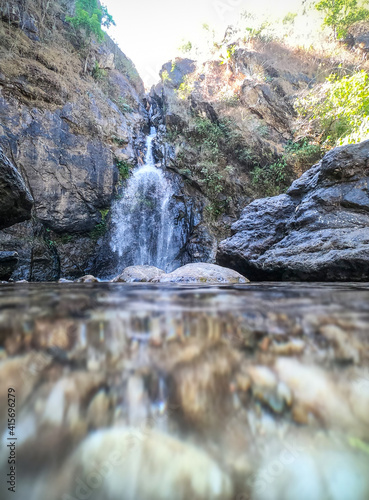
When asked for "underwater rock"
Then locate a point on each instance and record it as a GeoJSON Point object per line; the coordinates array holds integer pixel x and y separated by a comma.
{"type": "Point", "coordinates": [306, 474]}
{"type": "Point", "coordinates": [141, 465]}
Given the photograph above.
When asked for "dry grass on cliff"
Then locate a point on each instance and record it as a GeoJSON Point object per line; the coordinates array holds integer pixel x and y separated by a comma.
{"type": "Point", "coordinates": [48, 75]}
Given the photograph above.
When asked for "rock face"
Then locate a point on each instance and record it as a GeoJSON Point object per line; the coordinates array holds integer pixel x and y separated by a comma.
{"type": "Point", "coordinates": [176, 71]}
{"type": "Point", "coordinates": [318, 231]}
{"type": "Point", "coordinates": [216, 139]}
{"type": "Point", "coordinates": [15, 199]}
{"type": "Point", "coordinates": [8, 262]}
{"type": "Point", "coordinates": [67, 132]}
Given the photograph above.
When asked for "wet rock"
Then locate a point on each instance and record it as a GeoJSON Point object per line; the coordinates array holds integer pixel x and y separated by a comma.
{"type": "Point", "coordinates": [65, 136]}
{"type": "Point", "coordinates": [98, 414]}
{"type": "Point", "coordinates": [200, 381]}
{"type": "Point", "coordinates": [15, 199]}
{"type": "Point", "coordinates": [88, 279]}
{"type": "Point", "coordinates": [202, 272]}
{"type": "Point", "coordinates": [135, 274]}
{"type": "Point", "coordinates": [345, 347]}
{"type": "Point", "coordinates": [267, 389]}
{"type": "Point", "coordinates": [315, 392]}
{"type": "Point", "coordinates": [8, 262]}
{"type": "Point", "coordinates": [146, 466]}
{"type": "Point", "coordinates": [22, 374]}
{"type": "Point", "coordinates": [290, 348]}
{"type": "Point", "coordinates": [318, 231]}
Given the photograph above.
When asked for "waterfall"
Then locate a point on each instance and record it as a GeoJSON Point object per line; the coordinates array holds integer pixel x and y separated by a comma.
{"type": "Point", "coordinates": [143, 225]}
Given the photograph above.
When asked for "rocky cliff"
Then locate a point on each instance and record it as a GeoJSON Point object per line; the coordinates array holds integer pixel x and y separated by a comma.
{"type": "Point", "coordinates": [223, 127]}
{"type": "Point", "coordinates": [317, 231]}
{"type": "Point", "coordinates": [72, 135]}
{"type": "Point", "coordinates": [72, 128]}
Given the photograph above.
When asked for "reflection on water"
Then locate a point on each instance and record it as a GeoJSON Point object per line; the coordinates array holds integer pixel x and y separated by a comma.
{"type": "Point", "coordinates": [145, 392]}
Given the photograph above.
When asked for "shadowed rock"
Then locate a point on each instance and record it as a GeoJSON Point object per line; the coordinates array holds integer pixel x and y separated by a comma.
{"type": "Point", "coordinates": [15, 199]}
{"type": "Point", "coordinates": [8, 262]}
{"type": "Point", "coordinates": [318, 231]}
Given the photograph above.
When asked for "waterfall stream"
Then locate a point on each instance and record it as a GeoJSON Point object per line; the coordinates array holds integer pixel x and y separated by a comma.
{"type": "Point", "coordinates": [142, 221]}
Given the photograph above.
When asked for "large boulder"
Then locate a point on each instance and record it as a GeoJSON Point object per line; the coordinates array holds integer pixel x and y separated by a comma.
{"type": "Point", "coordinates": [134, 274]}
{"type": "Point", "coordinates": [127, 463]}
{"type": "Point", "coordinates": [202, 272]}
{"type": "Point", "coordinates": [15, 199]}
{"type": "Point", "coordinates": [173, 72]}
{"type": "Point", "coordinates": [318, 231]}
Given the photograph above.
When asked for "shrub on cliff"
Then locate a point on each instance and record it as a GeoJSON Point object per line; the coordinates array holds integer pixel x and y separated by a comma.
{"type": "Point", "coordinates": [341, 14]}
{"type": "Point", "coordinates": [340, 109]}
{"type": "Point", "coordinates": [90, 17]}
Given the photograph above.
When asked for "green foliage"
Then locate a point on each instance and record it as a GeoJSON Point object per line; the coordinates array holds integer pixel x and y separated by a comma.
{"type": "Point", "coordinates": [185, 88]}
{"type": "Point", "coordinates": [215, 209]}
{"type": "Point", "coordinates": [98, 73]}
{"type": "Point", "coordinates": [257, 29]}
{"type": "Point", "coordinates": [118, 140]}
{"type": "Point", "coordinates": [123, 105]}
{"type": "Point", "coordinates": [90, 16]}
{"type": "Point", "coordinates": [341, 109]}
{"type": "Point", "coordinates": [302, 154]}
{"type": "Point", "coordinates": [229, 97]}
{"type": "Point", "coordinates": [66, 238]}
{"type": "Point", "coordinates": [212, 179]}
{"type": "Point", "coordinates": [231, 49]}
{"type": "Point", "coordinates": [186, 47]}
{"type": "Point", "coordinates": [341, 14]}
{"type": "Point", "coordinates": [289, 18]}
{"type": "Point", "coordinates": [47, 238]}
{"type": "Point", "coordinates": [124, 168]}
{"type": "Point", "coordinates": [100, 228]}
{"type": "Point", "coordinates": [271, 180]}
{"type": "Point", "coordinates": [263, 130]}
{"type": "Point", "coordinates": [208, 136]}
{"type": "Point", "coordinates": [165, 76]}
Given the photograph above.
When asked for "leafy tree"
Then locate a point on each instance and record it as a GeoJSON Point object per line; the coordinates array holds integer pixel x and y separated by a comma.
{"type": "Point", "coordinates": [341, 14]}
{"type": "Point", "coordinates": [186, 47]}
{"type": "Point", "coordinates": [90, 16]}
{"type": "Point", "coordinates": [340, 108]}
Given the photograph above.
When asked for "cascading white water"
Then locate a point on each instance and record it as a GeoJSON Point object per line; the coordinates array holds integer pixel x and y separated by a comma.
{"type": "Point", "coordinates": [143, 225]}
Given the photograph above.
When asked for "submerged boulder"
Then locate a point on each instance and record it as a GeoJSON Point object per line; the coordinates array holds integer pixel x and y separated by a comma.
{"type": "Point", "coordinates": [318, 231]}
{"type": "Point", "coordinates": [202, 272]}
{"type": "Point", "coordinates": [134, 274]}
{"type": "Point", "coordinates": [129, 463]}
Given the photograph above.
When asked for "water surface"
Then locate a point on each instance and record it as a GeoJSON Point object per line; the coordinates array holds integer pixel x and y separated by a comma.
{"type": "Point", "coordinates": [256, 391]}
